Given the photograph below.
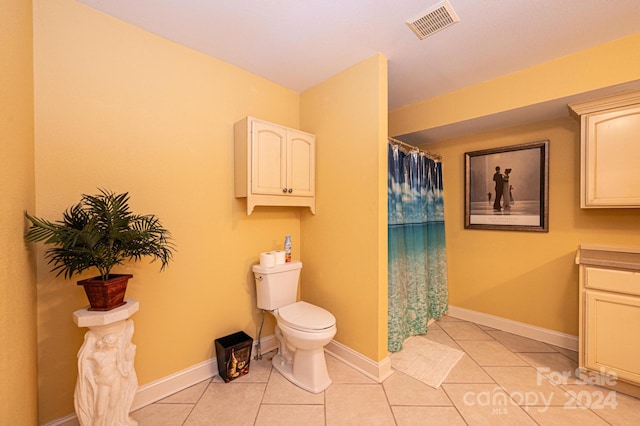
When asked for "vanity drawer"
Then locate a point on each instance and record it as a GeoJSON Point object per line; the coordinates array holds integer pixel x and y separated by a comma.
{"type": "Point", "coordinates": [627, 282]}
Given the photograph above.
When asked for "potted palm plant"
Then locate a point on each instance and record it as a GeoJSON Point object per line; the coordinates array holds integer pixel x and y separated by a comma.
{"type": "Point", "coordinates": [101, 231]}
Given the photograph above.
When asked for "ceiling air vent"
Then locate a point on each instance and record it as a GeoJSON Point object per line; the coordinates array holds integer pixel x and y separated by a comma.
{"type": "Point", "coordinates": [433, 20]}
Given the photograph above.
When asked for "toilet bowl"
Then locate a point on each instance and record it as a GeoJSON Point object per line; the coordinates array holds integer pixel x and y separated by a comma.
{"type": "Point", "coordinates": [302, 329]}
{"type": "Point", "coordinates": [300, 358]}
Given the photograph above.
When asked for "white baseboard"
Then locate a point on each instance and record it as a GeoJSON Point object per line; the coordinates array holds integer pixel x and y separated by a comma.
{"type": "Point", "coordinates": [545, 335]}
{"type": "Point", "coordinates": [70, 420]}
{"type": "Point", "coordinates": [162, 388]}
{"type": "Point", "coordinates": [375, 370]}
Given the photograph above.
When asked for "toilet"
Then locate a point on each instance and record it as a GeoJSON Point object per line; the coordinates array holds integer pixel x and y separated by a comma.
{"type": "Point", "coordinates": [302, 329]}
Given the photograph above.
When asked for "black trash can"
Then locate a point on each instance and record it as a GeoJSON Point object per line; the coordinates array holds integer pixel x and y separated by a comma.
{"type": "Point", "coordinates": [234, 354]}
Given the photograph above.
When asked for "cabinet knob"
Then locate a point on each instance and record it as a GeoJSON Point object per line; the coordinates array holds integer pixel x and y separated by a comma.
{"type": "Point", "coordinates": [290, 190]}
{"type": "Point", "coordinates": [284, 190]}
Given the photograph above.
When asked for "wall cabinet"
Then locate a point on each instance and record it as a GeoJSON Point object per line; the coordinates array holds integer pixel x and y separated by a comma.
{"type": "Point", "coordinates": [274, 165]}
{"type": "Point", "coordinates": [609, 312]}
{"type": "Point", "coordinates": [610, 149]}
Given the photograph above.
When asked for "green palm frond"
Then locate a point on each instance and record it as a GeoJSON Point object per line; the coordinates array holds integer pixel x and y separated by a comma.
{"type": "Point", "coordinates": [101, 232]}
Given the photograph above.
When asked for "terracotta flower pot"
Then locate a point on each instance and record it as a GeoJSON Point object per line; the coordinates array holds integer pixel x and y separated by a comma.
{"type": "Point", "coordinates": [106, 295]}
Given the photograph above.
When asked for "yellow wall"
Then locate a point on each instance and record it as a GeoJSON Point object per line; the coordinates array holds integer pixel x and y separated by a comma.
{"type": "Point", "coordinates": [120, 108]}
{"type": "Point", "coordinates": [346, 241]}
{"type": "Point", "coordinates": [601, 66]}
{"type": "Point", "coordinates": [527, 276]}
{"type": "Point", "coordinates": [18, 363]}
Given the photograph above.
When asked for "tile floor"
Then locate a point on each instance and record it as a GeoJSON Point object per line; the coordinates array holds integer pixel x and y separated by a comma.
{"type": "Point", "coordinates": [502, 379]}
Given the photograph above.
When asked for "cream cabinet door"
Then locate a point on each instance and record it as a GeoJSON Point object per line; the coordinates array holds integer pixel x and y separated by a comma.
{"type": "Point", "coordinates": [268, 159]}
{"type": "Point", "coordinates": [612, 153]}
{"type": "Point", "coordinates": [301, 164]}
{"type": "Point", "coordinates": [612, 327]}
{"type": "Point", "coordinates": [274, 165]}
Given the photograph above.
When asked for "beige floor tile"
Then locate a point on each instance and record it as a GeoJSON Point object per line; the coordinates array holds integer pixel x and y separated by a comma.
{"type": "Point", "coordinates": [259, 369]}
{"type": "Point", "coordinates": [405, 390]}
{"type": "Point", "coordinates": [290, 415]}
{"type": "Point", "coordinates": [485, 327]}
{"type": "Point", "coordinates": [439, 336]}
{"type": "Point", "coordinates": [486, 404]}
{"type": "Point", "coordinates": [351, 404]}
{"type": "Point", "coordinates": [339, 372]}
{"type": "Point", "coordinates": [490, 353]}
{"type": "Point", "coordinates": [561, 416]}
{"type": "Point", "coordinates": [614, 407]}
{"type": "Point", "coordinates": [566, 352]}
{"type": "Point", "coordinates": [497, 368]}
{"type": "Point", "coordinates": [227, 404]}
{"type": "Point", "coordinates": [625, 413]}
{"type": "Point", "coordinates": [556, 366]}
{"type": "Point", "coordinates": [162, 414]}
{"type": "Point", "coordinates": [597, 397]}
{"type": "Point", "coordinates": [518, 343]}
{"type": "Point", "coordinates": [527, 386]}
{"type": "Point", "coordinates": [281, 391]}
{"type": "Point", "coordinates": [433, 326]}
{"type": "Point", "coordinates": [190, 395]}
{"type": "Point", "coordinates": [412, 416]}
{"type": "Point", "coordinates": [445, 318]}
{"type": "Point", "coordinates": [467, 371]}
{"type": "Point", "coordinates": [463, 330]}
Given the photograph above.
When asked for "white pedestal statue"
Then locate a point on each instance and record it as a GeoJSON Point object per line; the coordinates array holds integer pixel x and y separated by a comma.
{"type": "Point", "coordinates": [107, 381]}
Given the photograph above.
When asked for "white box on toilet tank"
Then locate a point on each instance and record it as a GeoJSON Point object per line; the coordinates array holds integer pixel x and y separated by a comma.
{"type": "Point", "coordinates": [277, 286]}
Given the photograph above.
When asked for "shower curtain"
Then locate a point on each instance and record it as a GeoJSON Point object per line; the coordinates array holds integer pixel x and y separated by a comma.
{"type": "Point", "coordinates": [417, 255]}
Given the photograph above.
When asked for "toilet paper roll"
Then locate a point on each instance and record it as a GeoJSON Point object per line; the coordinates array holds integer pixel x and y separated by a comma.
{"type": "Point", "coordinates": [268, 259]}
{"type": "Point", "coordinates": [279, 257]}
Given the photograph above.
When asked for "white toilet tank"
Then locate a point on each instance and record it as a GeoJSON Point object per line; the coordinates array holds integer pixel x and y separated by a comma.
{"type": "Point", "coordinates": [277, 286]}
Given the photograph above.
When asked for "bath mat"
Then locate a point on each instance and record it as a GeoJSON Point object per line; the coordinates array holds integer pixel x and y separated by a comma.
{"type": "Point", "coordinates": [425, 360]}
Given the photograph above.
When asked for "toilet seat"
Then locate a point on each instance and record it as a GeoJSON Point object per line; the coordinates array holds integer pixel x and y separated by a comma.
{"type": "Point", "coordinates": [304, 316]}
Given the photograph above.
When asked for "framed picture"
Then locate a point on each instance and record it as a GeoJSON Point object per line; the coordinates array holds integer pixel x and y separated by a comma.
{"type": "Point", "coordinates": [507, 188]}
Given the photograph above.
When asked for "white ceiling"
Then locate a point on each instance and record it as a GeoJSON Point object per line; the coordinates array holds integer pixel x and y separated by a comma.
{"type": "Point", "coordinates": [299, 43]}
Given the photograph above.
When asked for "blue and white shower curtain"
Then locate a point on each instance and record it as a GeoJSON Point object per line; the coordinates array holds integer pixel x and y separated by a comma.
{"type": "Point", "coordinates": [417, 251]}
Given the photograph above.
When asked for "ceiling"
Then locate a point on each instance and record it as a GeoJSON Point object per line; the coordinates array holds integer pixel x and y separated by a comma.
{"type": "Point", "coordinates": [298, 44]}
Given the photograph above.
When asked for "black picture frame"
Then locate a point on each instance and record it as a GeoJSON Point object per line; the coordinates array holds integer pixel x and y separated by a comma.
{"type": "Point", "coordinates": [527, 208]}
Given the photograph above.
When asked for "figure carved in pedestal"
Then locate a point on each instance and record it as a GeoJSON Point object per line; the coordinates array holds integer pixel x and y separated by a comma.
{"type": "Point", "coordinates": [107, 382]}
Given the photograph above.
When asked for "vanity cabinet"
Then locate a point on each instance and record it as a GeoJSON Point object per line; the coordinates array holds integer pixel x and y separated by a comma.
{"type": "Point", "coordinates": [610, 151]}
{"type": "Point", "coordinates": [609, 329]}
{"type": "Point", "coordinates": [274, 165]}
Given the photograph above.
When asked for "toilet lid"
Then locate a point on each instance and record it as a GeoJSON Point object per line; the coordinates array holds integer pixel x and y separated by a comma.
{"type": "Point", "coordinates": [305, 316]}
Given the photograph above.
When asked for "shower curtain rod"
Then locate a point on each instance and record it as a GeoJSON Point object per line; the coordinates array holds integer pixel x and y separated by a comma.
{"type": "Point", "coordinates": [406, 145]}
